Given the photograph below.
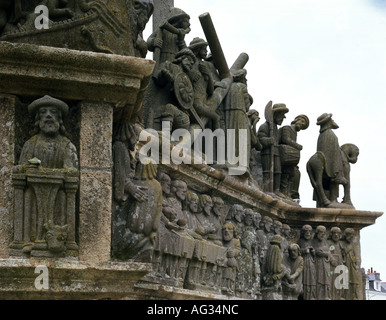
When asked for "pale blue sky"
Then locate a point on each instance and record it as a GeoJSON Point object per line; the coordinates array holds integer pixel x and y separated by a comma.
{"type": "Point", "coordinates": [317, 56]}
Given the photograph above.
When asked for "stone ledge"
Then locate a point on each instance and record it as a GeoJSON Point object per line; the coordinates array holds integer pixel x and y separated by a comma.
{"type": "Point", "coordinates": [70, 279]}
{"type": "Point", "coordinates": [31, 70]}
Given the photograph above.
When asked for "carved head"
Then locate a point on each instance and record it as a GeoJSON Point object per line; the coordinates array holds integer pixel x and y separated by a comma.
{"type": "Point", "coordinates": [306, 232]}
{"type": "Point", "coordinates": [48, 114]}
{"type": "Point", "coordinates": [228, 231]}
{"type": "Point", "coordinates": [180, 189]}
{"type": "Point", "coordinates": [56, 237]}
{"type": "Point", "coordinates": [293, 251]}
{"type": "Point", "coordinates": [349, 234]}
{"type": "Point", "coordinates": [279, 110]}
{"type": "Point", "coordinates": [325, 122]}
{"type": "Point", "coordinates": [351, 151]}
{"type": "Point", "coordinates": [193, 202]}
{"type": "Point", "coordinates": [301, 122]}
{"type": "Point", "coordinates": [256, 219]}
{"type": "Point", "coordinates": [321, 233]}
{"type": "Point", "coordinates": [218, 206]}
{"type": "Point", "coordinates": [267, 222]}
{"type": "Point", "coordinates": [143, 11]}
{"type": "Point", "coordinates": [165, 182]}
{"type": "Point", "coordinates": [248, 217]}
{"type": "Point", "coordinates": [206, 204]}
{"type": "Point", "coordinates": [336, 234]}
{"type": "Point", "coordinates": [237, 212]}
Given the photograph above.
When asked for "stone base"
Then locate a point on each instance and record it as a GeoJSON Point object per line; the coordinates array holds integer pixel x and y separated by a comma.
{"type": "Point", "coordinates": [20, 279]}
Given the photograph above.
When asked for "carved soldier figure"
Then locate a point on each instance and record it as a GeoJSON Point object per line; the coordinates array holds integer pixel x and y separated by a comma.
{"type": "Point", "coordinates": [308, 253]}
{"type": "Point", "coordinates": [169, 38]}
{"type": "Point", "coordinates": [322, 264]}
{"type": "Point", "coordinates": [290, 156]}
{"type": "Point", "coordinates": [269, 138]}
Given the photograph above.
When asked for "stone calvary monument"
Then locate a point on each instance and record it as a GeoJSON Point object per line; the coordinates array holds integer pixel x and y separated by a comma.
{"type": "Point", "coordinates": [130, 178]}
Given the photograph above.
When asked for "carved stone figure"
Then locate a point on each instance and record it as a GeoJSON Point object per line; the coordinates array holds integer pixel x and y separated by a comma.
{"type": "Point", "coordinates": [274, 269]}
{"type": "Point", "coordinates": [329, 167]}
{"type": "Point", "coordinates": [290, 156]}
{"type": "Point", "coordinates": [309, 272]}
{"type": "Point", "coordinates": [255, 157]}
{"type": "Point", "coordinates": [100, 26]}
{"type": "Point", "coordinates": [46, 180]}
{"type": "Point", "coordinates": [270, 156]}
{"type": "Point", "coordinates": [143, 10]}
{"type": "Point", "coordinates": [233, 250]}
{"type": "Point", "coordinates": [352, 261]}
{"type": "Point", "coordinates": [169, 38]}
{"type": "Point", "coordinates": [322, 264]}
{"type": "Point", "coordinates": [336, 260]}
{"type": "Point", "coordinates": [56, 237]}
{"type": "Point", "coordinates": [293, 283]}
{"type": "Point", "coordinates": [236, 105]}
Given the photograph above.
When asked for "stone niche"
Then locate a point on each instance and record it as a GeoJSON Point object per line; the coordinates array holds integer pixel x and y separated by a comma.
{"type": "Point", "coordinates": [99, 90]}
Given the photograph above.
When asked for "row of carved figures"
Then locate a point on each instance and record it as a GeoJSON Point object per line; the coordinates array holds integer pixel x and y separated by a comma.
{"type": "Point", "coordinates": [204, 243]}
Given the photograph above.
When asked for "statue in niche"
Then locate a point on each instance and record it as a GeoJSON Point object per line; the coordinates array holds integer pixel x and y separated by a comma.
{"type": "Point", "coordinates": [309, 272]}
{"type": "Point", "coordinates": [290, 156]}
{"type": "Point", "coordinates": [270, 157]}
{"type": "Point", "coordinates": [256, 147]}
{"type": "Point", "coordinates": [352, 261]}
{"type": "Point", "coordinates": [169, 38]}
{"type": "Point", "coordinates": [322, 264]}
{"type": "Point", "coordinates": [232, 244]}
{"type": "Point", "coordinates": [293, 283]}
{"type": "Point", "coordinates": [330, 166]}
{"type": "Point", "coordinates": [143, 10]}
{"type": "Point", "coordinates": [336, 260]}
{"type": "Point", "coordinates": [46, 180]}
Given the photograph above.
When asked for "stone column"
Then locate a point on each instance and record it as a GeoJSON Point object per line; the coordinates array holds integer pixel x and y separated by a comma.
{"type": "Point", "coordinates": [95, 157]}
{"type": "Point", "coordinates": [161, 11]}
{"type": "Point", "coordinates": [7, 158]}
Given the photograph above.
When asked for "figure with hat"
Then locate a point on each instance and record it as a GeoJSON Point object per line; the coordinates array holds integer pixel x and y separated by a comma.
{"type": "Point", "coordinates": [49, 144]}
{"type": "Point", "coordinates": [290, 156]}
{"type": "Point", "coordinates": [169, 38]}
{"type": "Point", "coordinates": [330, 166]}
{"type": "Point", "coordinates": [50, 159]}
{"type": "Point", "coordinates": [268, 135]}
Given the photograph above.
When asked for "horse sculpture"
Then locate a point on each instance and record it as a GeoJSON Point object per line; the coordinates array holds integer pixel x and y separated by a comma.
{"type": "Point", "coordinates": [326, 191]}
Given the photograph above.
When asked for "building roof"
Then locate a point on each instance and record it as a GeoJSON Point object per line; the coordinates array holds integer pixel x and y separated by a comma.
{"type": "Point", "coordinates": [374, 276]}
